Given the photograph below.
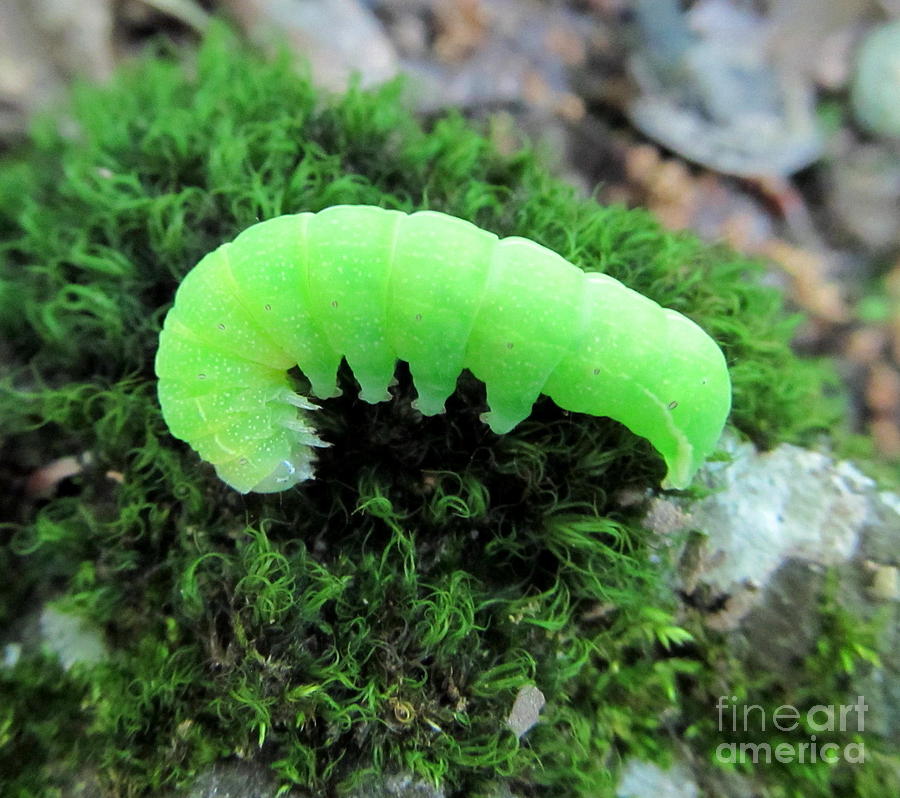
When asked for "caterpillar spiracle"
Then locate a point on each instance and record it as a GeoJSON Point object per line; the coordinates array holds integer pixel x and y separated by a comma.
{"type": "Point", "coordinates": [374, 286]}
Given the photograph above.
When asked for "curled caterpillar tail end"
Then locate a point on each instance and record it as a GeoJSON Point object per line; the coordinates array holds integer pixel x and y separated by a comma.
{"type": "Point", "coordinates": [260, 440]}
{"type": "Point", "coordinates": [298, 467]}
{"type": "Point", "coordinates": [274, 468]}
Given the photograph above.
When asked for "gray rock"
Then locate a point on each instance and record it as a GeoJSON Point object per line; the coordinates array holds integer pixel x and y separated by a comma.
{"type": "Point", "coordinates": [71, 638]}
{"type": "Point", "coordinates": [646, 780]}
{"type": "Point", "coordinates": [712, 92]}
{"type": "Point", "coordinates": [526, 710]}
{"type": "Point", "coordinates": [767, 509]}
{"type": "Point", "coordinates": [400, 785]}
{"type": "Point", "coordinates": [864, 190]}
{"type": "Point", "coordinates": [234, 780]}
{"type": "Point", "coordinates": [875, 93]}
{"type": "Point", "coordinates": [881, 534]}
{"type": "Point", "coordinates": [237, 779]}
{"type": "Point", "coordinates": [767, 538]}
{"type": "Point", "coordinates": [782, 628]}
{"type": "Point", "coordinates": [337, 37]}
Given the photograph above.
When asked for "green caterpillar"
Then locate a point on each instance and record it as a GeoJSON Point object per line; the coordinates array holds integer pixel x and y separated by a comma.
{"type": "Point", "coordinates": [375, 286]}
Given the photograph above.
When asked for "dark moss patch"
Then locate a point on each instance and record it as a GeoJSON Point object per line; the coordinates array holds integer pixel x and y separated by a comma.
{"type": "Point", "coordinates": [385, 615]}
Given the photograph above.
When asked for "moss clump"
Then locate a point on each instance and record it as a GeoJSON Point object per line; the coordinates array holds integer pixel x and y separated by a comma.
{"type": "Point", "coordinates": [384, 616]}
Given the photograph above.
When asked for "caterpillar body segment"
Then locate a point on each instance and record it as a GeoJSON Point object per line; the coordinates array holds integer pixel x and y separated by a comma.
{"type": "Point", "coordinates": [374, 286]}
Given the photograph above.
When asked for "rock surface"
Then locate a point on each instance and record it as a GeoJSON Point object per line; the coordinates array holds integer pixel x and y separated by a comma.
{"type": "Point", "coordinates": [646, 780]}
{"type": "Point", "coordinates": [767, 510]}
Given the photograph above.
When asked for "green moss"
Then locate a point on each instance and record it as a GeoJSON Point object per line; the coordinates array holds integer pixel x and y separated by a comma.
{"type": "Point", "coordinates": [385, 615]}
{"type": "Point", "coordinates": [40, 725]}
